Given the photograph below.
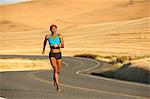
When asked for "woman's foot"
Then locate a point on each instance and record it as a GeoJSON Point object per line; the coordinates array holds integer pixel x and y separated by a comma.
{"type": "Point", "coordinates": [58, 88]}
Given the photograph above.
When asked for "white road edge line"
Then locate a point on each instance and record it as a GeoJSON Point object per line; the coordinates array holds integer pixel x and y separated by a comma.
{"type": "Point", "coordinates": [81, 63]}
{"type": "Point", "coordinates": [115, 80]}
{"type": "Point", "coordinates": [82, 88]}
{"type": "Point", "coordinates": [66, 65]}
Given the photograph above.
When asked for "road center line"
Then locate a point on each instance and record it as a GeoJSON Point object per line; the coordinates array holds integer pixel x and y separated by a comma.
{"type": "Point", "coordinates": [31, 75]}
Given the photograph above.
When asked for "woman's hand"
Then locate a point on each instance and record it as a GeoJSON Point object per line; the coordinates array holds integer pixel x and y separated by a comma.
{"type": "Point", "coordinates": [43, 52]}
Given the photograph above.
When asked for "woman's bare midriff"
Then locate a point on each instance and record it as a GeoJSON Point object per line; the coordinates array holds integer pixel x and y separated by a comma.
{"type": "Point", "coordinates": [55, 50]}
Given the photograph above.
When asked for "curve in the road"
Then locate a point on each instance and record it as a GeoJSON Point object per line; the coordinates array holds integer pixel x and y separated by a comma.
{"type": "Point", "coordinates": [74, 83]}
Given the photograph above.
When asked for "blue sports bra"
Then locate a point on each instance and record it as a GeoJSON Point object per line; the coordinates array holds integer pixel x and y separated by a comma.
{"type": "Point", "coordinates": [54, 41]}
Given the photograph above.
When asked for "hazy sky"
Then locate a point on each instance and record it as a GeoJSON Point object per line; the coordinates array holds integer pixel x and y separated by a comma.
{"type": "Point", "coordinates": [11, 1]}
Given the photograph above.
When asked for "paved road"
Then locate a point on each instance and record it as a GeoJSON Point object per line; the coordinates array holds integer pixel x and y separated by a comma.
{"type": "Point", "coordinates": [74, 84]}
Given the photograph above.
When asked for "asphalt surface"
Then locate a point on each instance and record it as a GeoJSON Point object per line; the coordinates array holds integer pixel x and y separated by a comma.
{"type": "Point", "coordinates": [74, 83]}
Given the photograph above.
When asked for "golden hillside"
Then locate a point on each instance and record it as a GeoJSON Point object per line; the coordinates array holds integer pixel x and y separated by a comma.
{"type": "Point", "coordinates": [89, 26]}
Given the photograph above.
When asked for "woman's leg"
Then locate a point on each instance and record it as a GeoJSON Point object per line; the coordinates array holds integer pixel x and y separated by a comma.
{"type": "Point", "coordinates": [59, 61]}
{"type": "Point", "coordinates": [54, 65]}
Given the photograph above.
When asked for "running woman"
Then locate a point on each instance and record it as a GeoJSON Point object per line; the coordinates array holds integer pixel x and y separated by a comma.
{"type": "Point", "coordinates": [56, 42]}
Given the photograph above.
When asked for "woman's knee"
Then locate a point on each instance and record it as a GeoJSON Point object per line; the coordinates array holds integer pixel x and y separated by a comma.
{"type": "Point", "coordinates": [55, 70]}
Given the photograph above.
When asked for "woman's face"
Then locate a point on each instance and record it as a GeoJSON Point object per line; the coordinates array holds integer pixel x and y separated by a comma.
{"type": "Point", "coordinates": [54, 29]}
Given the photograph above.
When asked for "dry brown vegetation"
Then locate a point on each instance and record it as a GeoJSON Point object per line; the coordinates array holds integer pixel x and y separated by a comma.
{"type": "Point", "coordinates": [102, 27]}
{"type": "Point", "coordinates": [98, 27]}
{"type": "Point", "coordinates": [19, 64]}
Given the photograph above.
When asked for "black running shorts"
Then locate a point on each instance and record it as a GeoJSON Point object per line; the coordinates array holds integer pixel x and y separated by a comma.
{"type": "Point", "coordinates": [55, 55]}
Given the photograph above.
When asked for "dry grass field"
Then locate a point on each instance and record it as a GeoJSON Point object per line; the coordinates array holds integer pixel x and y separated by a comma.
{"type": "Point", "coordinates": [102, 27]}
{"type": "Point", "coordinates": [18, 64]}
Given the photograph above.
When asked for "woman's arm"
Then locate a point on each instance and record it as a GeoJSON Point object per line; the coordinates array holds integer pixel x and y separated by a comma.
{"type": "Point", "coordinates": [44, 44]}
{"type": "Point", "coordinates": [61, 40]}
